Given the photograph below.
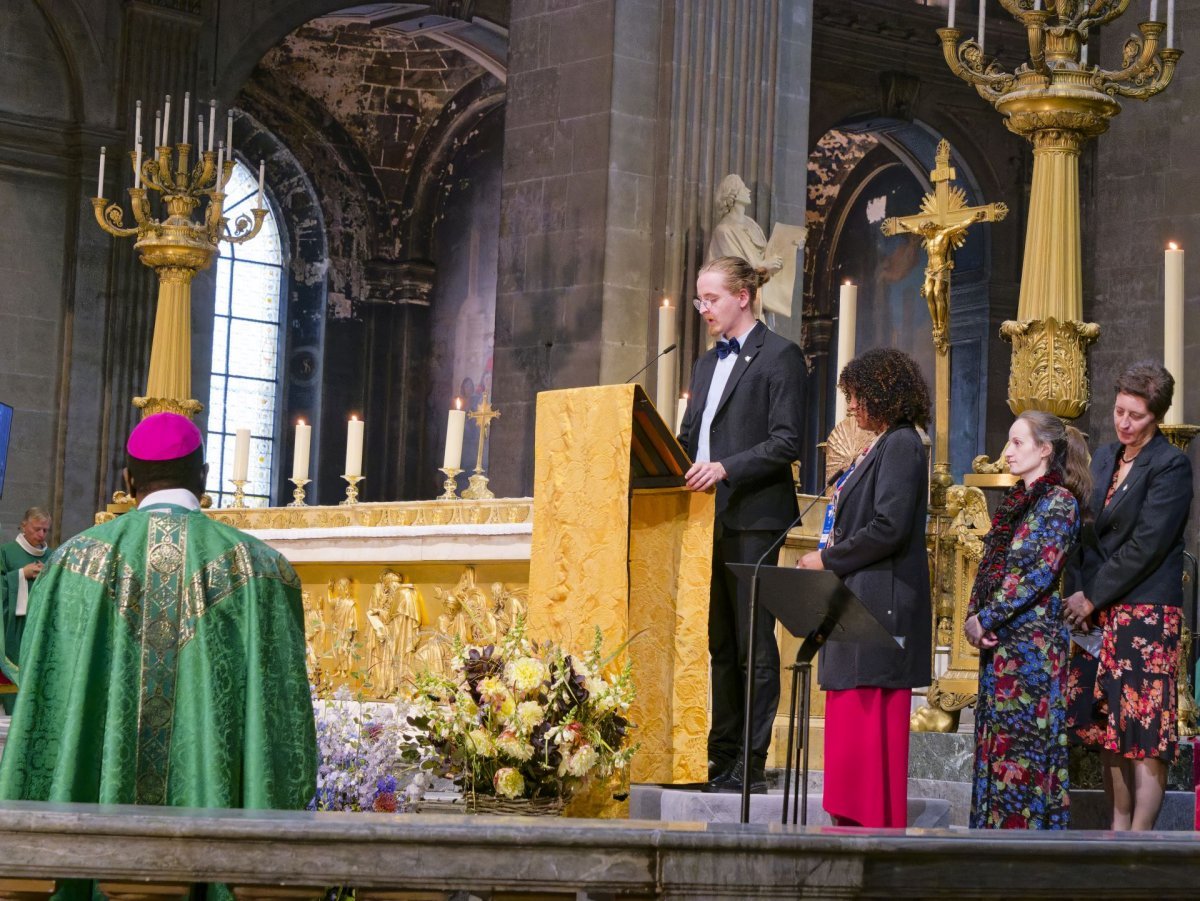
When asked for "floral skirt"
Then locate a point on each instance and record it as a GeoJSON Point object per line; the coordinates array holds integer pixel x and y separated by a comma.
{"type": "Point", "coordinates": [1125, 700]}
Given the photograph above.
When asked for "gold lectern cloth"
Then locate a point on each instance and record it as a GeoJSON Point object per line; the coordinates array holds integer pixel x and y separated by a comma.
{"type": "Point", "coordinates": [637, 568]}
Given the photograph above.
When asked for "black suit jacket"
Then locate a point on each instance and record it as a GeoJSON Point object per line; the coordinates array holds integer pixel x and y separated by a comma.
{"type": "Point", "coordinates": [1134, 552]}
{"type": "Point", "coordinates": [878, 549]}
{"type": "Point", "coordinates": [755, 433]}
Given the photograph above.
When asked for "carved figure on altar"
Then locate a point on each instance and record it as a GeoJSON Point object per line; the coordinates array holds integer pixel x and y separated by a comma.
{"type": "Point", "coordinates": [507, 606]}
{"type": "Point", "coordinates": [342, 633]}
{"type": "Point", "coordinates": [466, 611]}
{"type": "Point", "coordinates": [314, 635]}
{"type": "Point", "coordinates": [394, 618]}
{"type": "Point", "coordinates": [940, 244]}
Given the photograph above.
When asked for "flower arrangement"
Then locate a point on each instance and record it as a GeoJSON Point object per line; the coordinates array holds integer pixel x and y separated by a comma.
{"type": "Point", "coordinates": [368, 758]}
{"type": "Point", "coordinates": [519, 721]}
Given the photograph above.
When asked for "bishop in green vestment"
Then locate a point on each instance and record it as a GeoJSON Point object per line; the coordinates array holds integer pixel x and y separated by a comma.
{"type": "Point", "coordinates": [20, 563]}
{"type": "Point", "coordinates": [164, 657]}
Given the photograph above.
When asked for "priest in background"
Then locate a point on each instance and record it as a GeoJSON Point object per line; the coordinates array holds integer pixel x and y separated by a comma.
{"type": "Point", "coordinates": [164, 655]}
{"type": "Point", "coordinates": [21, 562]}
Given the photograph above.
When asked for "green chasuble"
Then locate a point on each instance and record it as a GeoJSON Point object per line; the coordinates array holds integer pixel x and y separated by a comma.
{"type": "Point", "coordinates": [12, 558]}
{"type": "Point", "coordinates": [164, 664]}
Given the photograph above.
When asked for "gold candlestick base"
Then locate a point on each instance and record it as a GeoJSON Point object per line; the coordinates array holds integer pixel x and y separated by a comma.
{"type": "Point", "coordinates": [1180, 435]}
{"type": "Point", "coordinates": [450, 485]}
{"type": "Point", "coordinates": [239, 493]}
{"type": "Point", "coordinates": [477, 487]}
{"type": "Point", "coordinates": [351, 489]}
{"type": "Point", "coordinates": [298, 494]}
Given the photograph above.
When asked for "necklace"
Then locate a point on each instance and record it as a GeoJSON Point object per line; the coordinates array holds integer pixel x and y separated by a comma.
{"type": "Point", "coordinates": [1125, 461]}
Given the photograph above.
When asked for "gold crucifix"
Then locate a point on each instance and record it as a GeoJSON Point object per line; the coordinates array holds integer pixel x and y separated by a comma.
{"type": "Point", "coordinates": [483, 415]}
{"type": "Point", "coordinates": [942, 226]}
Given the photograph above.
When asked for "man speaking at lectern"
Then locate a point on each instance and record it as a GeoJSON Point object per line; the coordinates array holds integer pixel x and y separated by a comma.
{"type": "Point", "coordinates": [742, 427]}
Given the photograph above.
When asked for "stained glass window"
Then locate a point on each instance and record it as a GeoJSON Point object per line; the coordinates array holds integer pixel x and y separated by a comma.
{"type": "Point", "coordinates": [244, 391]}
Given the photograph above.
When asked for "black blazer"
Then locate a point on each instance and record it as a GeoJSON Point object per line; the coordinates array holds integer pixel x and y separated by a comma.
{"type": "Point", "coordinates": [1134, 552]}
{"type": "Point", "coordinates": [879, 550]}
{"type": "Point", "coordinates": [756, 431]}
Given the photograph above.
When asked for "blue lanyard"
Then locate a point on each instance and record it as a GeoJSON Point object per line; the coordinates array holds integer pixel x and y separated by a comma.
{"type": "Point", "coordinates": [831, 508]}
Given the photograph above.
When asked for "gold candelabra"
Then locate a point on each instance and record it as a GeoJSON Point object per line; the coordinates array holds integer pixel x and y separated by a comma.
{"type": "Point", "coordinates": [239, 493]}
{"type": "Point", "coordinates": [450, 486]}
{"type": "Point", "coordinates": [298, 492]}
{"type": "Point", "coordinates": [1058, 101]}
{"type": "Point", "coordinates": [176, 246]}
{"type": "Point", "coordinates": [477, 485]}
{"type": "Point", "coordinates": [351, 490]}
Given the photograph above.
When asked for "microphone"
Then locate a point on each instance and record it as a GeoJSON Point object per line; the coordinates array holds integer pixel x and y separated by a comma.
{"type": "Point", "coordinates": [751, 650]}
{"type": "Point", "coordinates": [662, 353]}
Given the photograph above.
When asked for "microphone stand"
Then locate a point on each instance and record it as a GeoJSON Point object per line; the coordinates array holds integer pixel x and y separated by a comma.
{"type": "Point", "coordinates": [752, 649]}
{"type": "Point", "coordinates": [662, 353]}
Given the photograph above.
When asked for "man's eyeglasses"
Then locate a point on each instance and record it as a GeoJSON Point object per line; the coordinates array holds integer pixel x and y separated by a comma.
{"type": "Point", "coordinates": [702, 305]}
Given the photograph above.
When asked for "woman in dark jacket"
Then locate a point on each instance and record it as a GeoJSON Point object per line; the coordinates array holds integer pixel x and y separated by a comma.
{"type": "Point", "coordinates": [876, 544]}
{"type": "Point", "coordinates": [1130, 589]}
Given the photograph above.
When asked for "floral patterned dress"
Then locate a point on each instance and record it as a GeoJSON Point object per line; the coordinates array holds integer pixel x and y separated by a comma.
{"type": "Point", "coordinates": [1020, 774]}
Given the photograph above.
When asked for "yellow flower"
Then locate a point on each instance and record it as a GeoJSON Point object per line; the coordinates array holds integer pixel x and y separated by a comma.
{"type": "Point", "coordinates": [482, 743]}
{"type": "Point", "coordinates": [491, 688]}
{"type": "Point", "coordinates": [507, 707]}
{"type": "Point", "coordinates": [529, 714]}
{"type": "Point", "coordinates": [509, 783]}
{"type": "Point", "coordinates": [527, 674]}
{"type": "Point", "coordinates": [512, 745]}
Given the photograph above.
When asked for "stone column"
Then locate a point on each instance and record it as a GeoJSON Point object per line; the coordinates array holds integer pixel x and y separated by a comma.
{"type": "Point", "coordinates": [616, 135]}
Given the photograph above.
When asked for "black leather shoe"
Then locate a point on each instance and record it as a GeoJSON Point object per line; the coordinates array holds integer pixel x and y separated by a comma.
{"type": "Point", "coordinates": [719, 768]}
{"type": "Point", "coordinates": [731, 782]}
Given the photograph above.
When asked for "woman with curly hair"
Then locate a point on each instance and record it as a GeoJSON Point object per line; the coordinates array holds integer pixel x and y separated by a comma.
{"type": "Point", "coordinates": [1015, 618]}
{"type": "Point", "coordinates": [875, 542]}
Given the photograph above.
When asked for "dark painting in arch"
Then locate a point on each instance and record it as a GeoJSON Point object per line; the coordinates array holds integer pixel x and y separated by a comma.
{"type": "Point", "coordinates": [5, 430]}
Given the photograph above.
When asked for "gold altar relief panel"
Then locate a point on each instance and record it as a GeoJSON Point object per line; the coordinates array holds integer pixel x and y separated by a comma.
{"type": "Point", "coordinates": [370, 627]}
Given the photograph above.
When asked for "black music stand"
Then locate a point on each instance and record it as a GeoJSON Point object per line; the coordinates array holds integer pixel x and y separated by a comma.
{"type": "Point", "coordinates": [816, 606]}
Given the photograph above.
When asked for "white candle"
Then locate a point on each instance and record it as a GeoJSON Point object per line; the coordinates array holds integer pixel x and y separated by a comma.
{"type": "Point", "coordinates": [1170, 23]}
{"type": "Point", "coordinates": [666, 363]}
{"type": "Point", "coordinates": [300, 460]}
{"type": "Point", "coordinates": [241, 455]}
{"type": "Point", "coordinates": [199, 132]}
{"type": "Point", "coordinates": [1083, 54]}
{"type": "Point", "coordinates": [680, 410]}
{"type": "Point", "coordinates": [950, 20]}
{"type": "Point", "coordinates": [229, 133]}
{"type": "Point", "coordinates": [187, 103]}
{"type": "Point", "coordinates": [212, 122]}
{"type": "Point", "coordinates": [157, 131]}
{"type": "Point", "coordinates": [354, 446]}
{"type": "Point", "coordinates": [1153, 10]}
{"type": "Point", "coordinates": [166, 119]}
{"type": "Point", "coordinates": [220, 165]}
{"type": "Point", "coordinates": [456, 424]}
{"type": "Point", "coordinates": [982, 18]}
{"type": "Point", "coordinates": [137, 122]}
{"type": "Point", "coordinates": [1173, 328]}
{"type": "Point", "coordinates": [137, 165]}
{"type": "Point", "coordinates": [262, 168]}
{"type": "Point", "coordinates": [100, 178]}
{"type": "Point", "coordinates": [847, 323]}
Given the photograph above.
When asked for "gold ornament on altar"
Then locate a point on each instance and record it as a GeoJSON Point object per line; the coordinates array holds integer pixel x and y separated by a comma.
{"type": "Point", "coordinates": [477, 484]}
{"type": "Point", "coordinates": [175, 245]}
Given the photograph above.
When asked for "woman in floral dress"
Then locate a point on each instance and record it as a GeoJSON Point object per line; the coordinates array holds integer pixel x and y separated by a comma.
{"type": "Point", "coordinates": [1015, 618]}
{"type": "Point", "coordinates": [1130, 581]}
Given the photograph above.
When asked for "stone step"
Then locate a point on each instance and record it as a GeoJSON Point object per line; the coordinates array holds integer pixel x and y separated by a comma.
{"type": "Point", "coordinates": [656, 802]}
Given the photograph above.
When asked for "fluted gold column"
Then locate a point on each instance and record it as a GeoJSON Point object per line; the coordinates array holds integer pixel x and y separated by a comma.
{"type": "Point", "coordinates": [1052, 279]}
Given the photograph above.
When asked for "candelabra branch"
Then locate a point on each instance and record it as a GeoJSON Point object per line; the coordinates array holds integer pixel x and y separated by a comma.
{"type": "Point", "coordinates": [243, 229]}
{"type": "Point", "coordinates": [1146, 83]}
{"type": "Point", "coordinates": [1099, 13]}
{"type": "Point", "coordinates": [968, 62]}
{"type": "Point", "coordinates": [111, 218]}
{"type": "Point", "coordinates": [1139, 62]}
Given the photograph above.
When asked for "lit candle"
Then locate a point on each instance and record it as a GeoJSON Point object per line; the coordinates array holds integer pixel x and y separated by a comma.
{"type": "Point", "coordinates": [212, 122]}
{"type": "Point", "coordinates": [166, 119]}
{"type": "Point", "coordinates": [354, 446]}
{"type": "Point", "coordinates": [680, 410]}
{"type": "Point", "coordinates": [241, 455]}
{"type": "Point", "coordinates": [187, 103]}
{"type": "Point", "coordinates": [100, 178]}
{"type": "Point", "coordinates": [262, 168]}
{"type": "Point", "coordinates": [1170, 23]}
{"type": "Point", "coordinates": [300, 460]}
{"type": "Point", "coordinates": [666, 363]}
{"type": "Point", "coordinates": [950, 21]}
{"type": "Point", "coordinates": [456, 424]}
{"type": "Point", "coordinates": [847, 323]}
{"type": "Point", "coordinates": [1173, 328]}
{"type": "Point", "coordinates": [229, 133]}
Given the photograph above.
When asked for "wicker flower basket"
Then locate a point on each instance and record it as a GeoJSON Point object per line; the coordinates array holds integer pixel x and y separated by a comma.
{"type": "Point", "coordinates": [493, 805]}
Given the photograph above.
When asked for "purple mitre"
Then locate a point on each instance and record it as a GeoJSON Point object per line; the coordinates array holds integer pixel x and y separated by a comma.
{"type": "Point", "coordinates": [163, 436]}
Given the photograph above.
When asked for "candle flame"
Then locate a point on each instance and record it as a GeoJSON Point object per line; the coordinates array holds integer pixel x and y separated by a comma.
{"type": "Point", "coordinates": [1172, 245]}
{"type": "Point", "coordinates": [458, 403]}
{"type": "Point", "coordinates": [299, 422]}
{"type": "Point", "coordinates": [847, 282]}
{"type": "Point", "coordinates": [666, 302]}
{"type": "Point", "coordinates": [683, 396]}
{"type": "Point", "coordinates": [353, 418]}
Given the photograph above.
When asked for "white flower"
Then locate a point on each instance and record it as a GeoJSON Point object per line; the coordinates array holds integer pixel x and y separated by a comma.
{"type": "Point", "coordinates": [527, 674]}
{"type": "Point", "coordinates": [529, 714]}
{"type": "Point", "coordinates": [512, 745]}
{"type": "Point", "coordinates": [582, 761]}
{"type": "Point", "coordinates": [481, 743]}
{"type": "Point", "coordinates": [509, 783]}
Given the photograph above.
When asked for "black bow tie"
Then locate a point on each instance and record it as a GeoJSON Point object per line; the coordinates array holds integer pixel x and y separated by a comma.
{"type": "Point", "coordinates": [725, 348]}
